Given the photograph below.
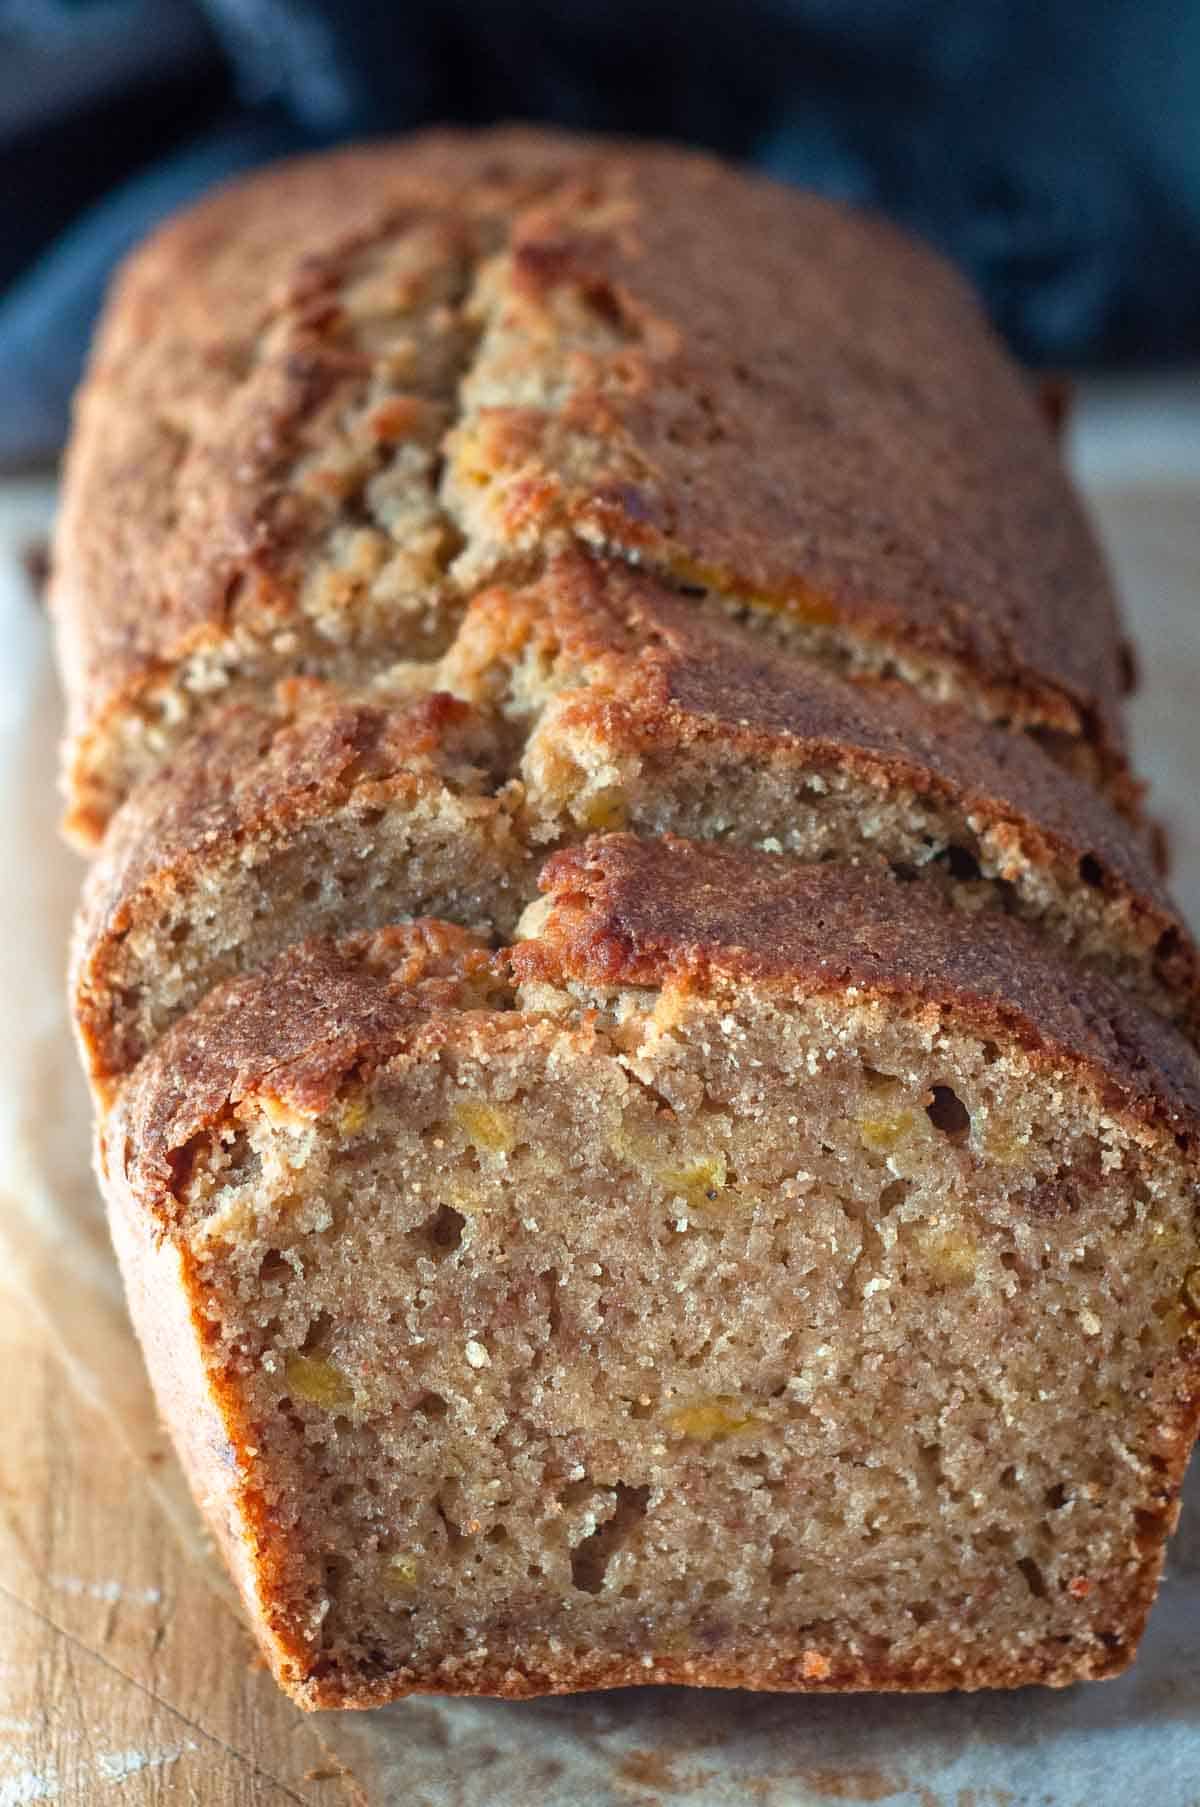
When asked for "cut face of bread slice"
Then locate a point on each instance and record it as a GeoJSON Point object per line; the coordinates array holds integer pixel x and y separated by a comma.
{"type": "Point", "coordinates": [310, 812]}
{"type": "Point", "coordinates": [642, 712]}
{"type": "Point", "coordinates": [770, 1278]}
{"type": "Point", "coordinates": [785, 407]}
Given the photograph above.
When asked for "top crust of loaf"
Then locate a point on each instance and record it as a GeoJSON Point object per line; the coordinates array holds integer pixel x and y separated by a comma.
{"type": "Point", "coordinates": [932, 514]}
{"type": "Point", "coordinates": [624, 911]}
{"type": "Point", "coordinates": [797, 405]}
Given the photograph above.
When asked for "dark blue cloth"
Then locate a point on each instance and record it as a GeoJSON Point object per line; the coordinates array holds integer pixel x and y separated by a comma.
{"type": "Point", "coordinates": [1051, 146]}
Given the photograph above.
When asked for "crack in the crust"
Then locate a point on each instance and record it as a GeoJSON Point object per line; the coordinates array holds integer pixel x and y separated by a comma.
{"type": "Point", "coordinates": [349, 520]}
{"type": "Point", "coordinates": [379, 410]}
{"type": "Point", "coordinates": [447, 323]}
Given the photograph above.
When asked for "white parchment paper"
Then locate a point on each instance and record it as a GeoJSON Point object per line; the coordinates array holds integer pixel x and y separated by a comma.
{"type": "Point", "coordinates": [1133, 1741]}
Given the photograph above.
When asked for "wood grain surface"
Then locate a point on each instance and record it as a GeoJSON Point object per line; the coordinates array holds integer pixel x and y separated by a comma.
{"type": "Point", "coordinates": [123, 1673]}
{"type": "Point", "coordinates": [121, 1669]}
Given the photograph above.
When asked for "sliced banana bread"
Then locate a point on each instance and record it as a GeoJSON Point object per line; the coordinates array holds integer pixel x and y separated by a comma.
{"type": "Point", "coordinates": [591, 699]}
{"type": "Point", "coordinates": [646, 1082]}
{"type": "Point", "coordinates": [765, 1276]}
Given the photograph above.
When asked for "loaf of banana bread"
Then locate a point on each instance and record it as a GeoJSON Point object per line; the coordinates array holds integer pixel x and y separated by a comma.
{"type": "Point", "coordinates": [646, 1080]}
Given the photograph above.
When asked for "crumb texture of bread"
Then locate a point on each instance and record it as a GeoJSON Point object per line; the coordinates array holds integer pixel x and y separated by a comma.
{"type": "Point", "coordinates": [570, 1362]}
{"type": "Point", "coordinates": [646, 1077]}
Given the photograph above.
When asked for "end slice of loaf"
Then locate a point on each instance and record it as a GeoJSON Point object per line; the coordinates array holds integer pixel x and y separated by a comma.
{"type": "Point", "coordinates": [762, 1276]}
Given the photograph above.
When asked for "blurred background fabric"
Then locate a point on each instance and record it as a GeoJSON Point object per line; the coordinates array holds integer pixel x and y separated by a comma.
{"type": "Point", "coordinates": [1051, 146]}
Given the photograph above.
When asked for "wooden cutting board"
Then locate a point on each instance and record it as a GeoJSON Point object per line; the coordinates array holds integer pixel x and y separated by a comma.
{"type": "Point", "coordinates": [122, 1673]}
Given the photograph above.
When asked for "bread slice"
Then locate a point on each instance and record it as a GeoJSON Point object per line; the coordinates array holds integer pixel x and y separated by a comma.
{"type": "Point", "coordinates": [313, 811]}
{"type": "Point", "coordinates": [642, 711]}
{"type": "Point", "coordinates": [589, 699]}
{"type": "Point", "coordinates": [771, 399]}
{"type": "Point", "coordinates": [765, 1275]}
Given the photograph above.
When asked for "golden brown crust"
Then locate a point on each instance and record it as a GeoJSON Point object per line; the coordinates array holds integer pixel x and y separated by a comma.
{"type": "Point", "coordinates": [207, 1423]}
{"type": "Point", "coordinates": [630, 912]}
{"type": "Point", "coordinates": [761, 1671]}
{"type": "Point", "coordinates": [933, 515]}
